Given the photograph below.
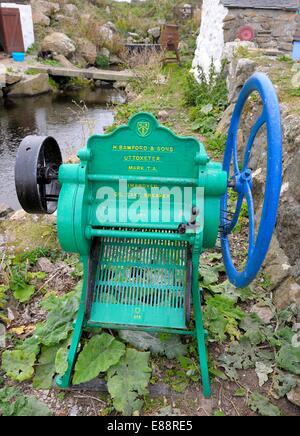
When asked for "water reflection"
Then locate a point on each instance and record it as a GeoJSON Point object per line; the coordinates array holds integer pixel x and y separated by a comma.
{"type": "Point", "coordinates": [65, 117]}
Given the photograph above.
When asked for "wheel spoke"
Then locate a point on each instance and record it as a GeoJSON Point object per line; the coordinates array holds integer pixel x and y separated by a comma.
{"type": "Point", "coordinates": [230, 227]}
{"type": "Point", "coordinates": [251, 213]}
{"type": "Point", "coordinates": [236, 161]}
{"type": "Point", "coordinates": [255, 129]}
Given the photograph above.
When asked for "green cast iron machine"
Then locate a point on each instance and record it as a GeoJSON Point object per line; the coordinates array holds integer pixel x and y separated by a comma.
{"type": "Point", "coordinates": [141, 207]}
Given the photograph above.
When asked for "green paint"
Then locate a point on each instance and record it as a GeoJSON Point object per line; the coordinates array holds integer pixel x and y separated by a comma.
{"type": "Point", "coordinates": [143, 270]}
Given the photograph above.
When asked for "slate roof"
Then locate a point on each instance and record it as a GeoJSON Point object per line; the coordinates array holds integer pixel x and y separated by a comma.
{"type": "Point", "coordinates": [291, 5]}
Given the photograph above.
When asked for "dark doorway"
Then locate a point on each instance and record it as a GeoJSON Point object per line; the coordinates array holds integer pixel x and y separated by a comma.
{"type": "Point", "coordinates": [11, 36]}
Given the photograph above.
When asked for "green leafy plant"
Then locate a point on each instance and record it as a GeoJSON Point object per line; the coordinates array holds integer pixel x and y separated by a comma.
{"type": "Point", "coordinates": [14, 403]}
{"type": "Point", "coordinates": [227, 289]}
{"type": "Point", "coordinates": [19, 364]}
{"type": "Point", "coordinates": [23, 280]}
{"type": "Point", "coordinates": [162, 345]}
{"type": "Point", "coordinates": [58, 324]}
{"type": "Point", "coordinates": [45, 368]}
{"type": "Point", "coordinates": [208, 96]}
{"type": "Point", "coordinates": [285, 58]}
{"type": "Point", "coordinates": [288, 358]}
{"type": "Point", "coordinates": [283, 383]}
{"type": "Point", "coordinates": [243, 355]}
{"type": "Point", "coordinates": [50, 62]}
{"type": "Point", "coordinates": [221, 317]}
{"type": "Point", "coordinates": [98, 355]}
{"type": "Point", "coordinates": [295, 92]}
{"type": "Point", "coordinates": [128, 380]}
{"type": "Point", "coordinates": [102, 61]}
{"type": "Point", "coordinates": [259, 403]}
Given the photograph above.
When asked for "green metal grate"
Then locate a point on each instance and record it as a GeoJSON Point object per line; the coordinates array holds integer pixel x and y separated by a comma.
{"type": "Point", "coordinates": [142, 283]}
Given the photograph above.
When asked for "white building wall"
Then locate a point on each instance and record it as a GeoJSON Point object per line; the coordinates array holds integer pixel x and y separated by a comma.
{"type": "Point", "coordinates": [26, 22]}
{"type": "Point", "coordinates": [210, 42]}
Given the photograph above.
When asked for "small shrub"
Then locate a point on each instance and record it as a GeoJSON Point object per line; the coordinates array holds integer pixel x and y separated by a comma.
{"type": "Point", "coordinates": [285, 58]}
{"type": "Point", "coordinates": [102, 61]}
{"type": "Point", "coordinates": [208, 98]}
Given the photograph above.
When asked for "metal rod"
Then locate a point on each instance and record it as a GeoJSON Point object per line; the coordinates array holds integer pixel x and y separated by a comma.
{"type": "Point", "coordinates": [143, 180]}
{"type": "Point", "coordinates": [91, 324]}
{"type": "Point", "coordinates": [151, 226]}
{"type": "Point", "coordinates": [98, 233]}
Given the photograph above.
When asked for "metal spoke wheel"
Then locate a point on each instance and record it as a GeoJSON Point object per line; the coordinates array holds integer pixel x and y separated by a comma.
{"type": "Point", "coordinates": [36, 174]}
{"type": "Point", "coordinates": [241, 182]}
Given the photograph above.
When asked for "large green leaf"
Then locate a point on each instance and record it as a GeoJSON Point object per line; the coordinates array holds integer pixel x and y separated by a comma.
{"type": "Point", "coordinates": [61, 361]}
{"type": "Point", "coordinates": [30, 345]}
{"type": "Point", "coordinates": [14, 403]}
{"type": "Point", "coordinates": [288, 358]}
{"type": "Point", "coordinates": [100, 353]}
{"type": "Point", "coordinates": [18, 364]}
{"type": "Point", "coordinates": [128, 381]}
{"type": "Point", "coordinates": [209, 275]}
{"type": "Point", "coordinates": [283, 383]}
{"type": "Point", "coordinates": [259, 403]}
{"type": "Point", "coordinates": [230, 291]}
{"type": "Point", "coordinates": [60, 318]}
{"type": "Point", "coordinates": [221, 317]}
{"type": "Point", "coordinates": [169, 346]}
{"type": "Point", "coordinates": [33, 407]}
{"type": "Point", "coordinates": [24, 293]}
{"type": "Point", "coordinates": [20, 283]}
{"type": "Point", "coordinates": [45, 369]}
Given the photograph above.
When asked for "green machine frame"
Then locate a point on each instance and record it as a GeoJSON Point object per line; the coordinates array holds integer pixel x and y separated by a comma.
{"type": "Point", "coordinates": [161, 281]}
{"type": "Point", "coordinates": [141, 207]}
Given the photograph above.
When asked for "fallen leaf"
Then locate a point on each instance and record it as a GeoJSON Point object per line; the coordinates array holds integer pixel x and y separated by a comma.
{"type": "Point", "coordinates": [262, 371]}
{"type": "Point", "coordinates": [18, 330]}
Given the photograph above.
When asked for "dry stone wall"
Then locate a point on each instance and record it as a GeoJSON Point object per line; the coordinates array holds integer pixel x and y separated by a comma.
{"type": "Point", "coordinates": [273, 29]}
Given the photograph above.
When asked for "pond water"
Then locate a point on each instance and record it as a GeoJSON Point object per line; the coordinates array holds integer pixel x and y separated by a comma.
{"type": "Point", "coordinates": [64, 117]}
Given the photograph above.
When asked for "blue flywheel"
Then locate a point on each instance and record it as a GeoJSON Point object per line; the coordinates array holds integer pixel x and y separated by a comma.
{"type": "Point", "coordinates": [242, 180]}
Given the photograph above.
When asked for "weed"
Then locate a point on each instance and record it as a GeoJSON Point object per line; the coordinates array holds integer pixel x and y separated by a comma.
{"type": "Point", "coordinates": [53, 83]}
{"type": "Point", "coordinates": [242, 52]}
{"type": "Point", "coordinates": [33, 49]}
{"type": "Point", "coordinates": [295, 92]}
{"type": "Point", "coordinates": [31, 72]}
{"type": "Point", "coordinates": [285, 58]}
{"type": "Point", "coordinates": [208, 97]}
{"type": "Point", "coordinates": [102, 61]}
{"type": "Point", "coordinates": [50, 62]}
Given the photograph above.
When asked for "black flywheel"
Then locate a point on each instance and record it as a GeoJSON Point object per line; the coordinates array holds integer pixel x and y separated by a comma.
{"type": "Point", "coordinates": [36, 174]}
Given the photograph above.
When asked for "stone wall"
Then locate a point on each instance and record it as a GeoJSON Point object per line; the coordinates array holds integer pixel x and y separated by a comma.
{"type": "Point", "coordinates": [273, 29]}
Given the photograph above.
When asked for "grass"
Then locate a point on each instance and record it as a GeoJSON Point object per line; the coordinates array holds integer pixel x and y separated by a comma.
{"type": "Point", "coordinates": [31, 72]}
{"type": "Point", "coordinates": [281, 73]}
{"type": "Point", "coordinates": [50, 62]}
{"type": "Point", "coordinates": [137, 17]}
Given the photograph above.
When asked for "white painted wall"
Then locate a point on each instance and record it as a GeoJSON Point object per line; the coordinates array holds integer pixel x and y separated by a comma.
{"type": "Point", "coordinates": [210, 42]}
{"type": "Point", "coordinates": [26, 22]}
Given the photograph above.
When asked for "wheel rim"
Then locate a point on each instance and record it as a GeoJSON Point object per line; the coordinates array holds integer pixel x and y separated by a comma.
{"type": "Point", "coordinates": [270, 116]}
{"type": "Point", "coordinates": [36, 174]}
